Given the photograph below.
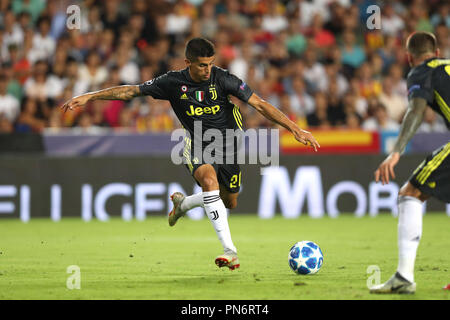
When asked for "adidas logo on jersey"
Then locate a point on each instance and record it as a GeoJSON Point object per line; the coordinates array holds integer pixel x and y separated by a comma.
{"type": "Point", "coordinates": [184, 97]}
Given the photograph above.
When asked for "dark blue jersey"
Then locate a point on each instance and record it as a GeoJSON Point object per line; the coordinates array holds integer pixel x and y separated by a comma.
{"type": "Point", "coordinates": [431, 81]}
{"type": "Point", "coordinates": [207, 101]}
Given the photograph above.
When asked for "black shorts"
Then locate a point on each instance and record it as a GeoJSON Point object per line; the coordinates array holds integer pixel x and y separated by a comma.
{"type": "Point", "coordinates": [432, 177]}
{"type": "Point", "coordinates": [228, 175]}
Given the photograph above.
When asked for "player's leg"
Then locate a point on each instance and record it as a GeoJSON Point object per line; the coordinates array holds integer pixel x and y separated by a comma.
{"type": "Point", "coordinates": [182, 203]}
{"type": "Point", "coordinates": [228, 198]}
{"type": "Point", "coordinates": [216, 211]}
{"type": "Point", "coordinates": [431, 178]}
{"type": "Point", "coordinates": [410, 213]}
{"type": "Point", "coordinates": [410, 206]}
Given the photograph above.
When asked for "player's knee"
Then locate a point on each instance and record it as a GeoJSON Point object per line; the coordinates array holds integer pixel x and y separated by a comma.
{"type": "Point", "coordinates": [209, 184]}
{"type": "Point", "coordinates": [230, 204]}
{"type": "Point", "coordinates": [409, 190]}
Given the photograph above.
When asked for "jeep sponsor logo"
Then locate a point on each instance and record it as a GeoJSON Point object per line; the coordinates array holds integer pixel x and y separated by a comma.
{"type": "Point", "coordinates": [198, 111]}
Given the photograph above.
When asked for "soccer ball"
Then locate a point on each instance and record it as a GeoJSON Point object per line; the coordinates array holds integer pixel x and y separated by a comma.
{"type": "Point", "coordinates": [305, 257]}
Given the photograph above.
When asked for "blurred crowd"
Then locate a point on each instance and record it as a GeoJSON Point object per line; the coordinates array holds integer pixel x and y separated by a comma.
{"type": "Point", "coordinates": [316, 60]}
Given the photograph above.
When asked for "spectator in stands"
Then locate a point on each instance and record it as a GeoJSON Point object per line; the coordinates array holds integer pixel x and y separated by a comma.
{"type": "Point", "coordinates": [9, 105]}
{"type": "Point", "coordinates": [91, 22]}
{"type": "Point", "coordinates": [24, 20]}
{"type": "Point", "coordinates": [270, 44]}
{"type": "Point", "coordinates": [337, 15]}
{"type": "Point", "coordinates": [442, 16]}
{"type": "Point", "coordinates": [388, 52]}
{"type": "Point", "coordinates": [380, 121]}
{"type": "Point", "coordinates": [55, 122]}
{"type": "Point", "coordinates": [29, 119]}
{"type": "Point", "coordinates": [398, 81]}
{"type": "Point", "coordinates": [20, 64]}
{"type": "Point", "coordinates": [319, 118]}
{"type": "Point", "coordinates": [56, 11]}
{"type": "Point", "coordinates": [208, 22]}
{"type": "Point", "coordinates": [179, 19]}
{"type": "Point", "coordinates": [285, 107]}
{"type": "Point", "coordinates": [353, 55]}
{"type": "Point", "coordinates": [395, 104]}
{"type": "Point", "coordinates": [236, 20]}
{"type": "Point", "coordinates": [301, 102]}
{"type": "Point", "coordinates": [442, 37]}
{"type": "Point", "coordinates": [350, 107]}
{"type": "Point", "coordinates": [296, 42]}
{"type": "Point", "coordinates": [14, 87]}
{"type": "Point", "coordinates": [361, 104]}
{"type": "Point", "coordinates": [432, 122]}
{"type": "Point", "coordinates": [41, 85]}
{"type": "Point", "coordinates": [93, 72]}
{"type": "Point", "coordinates": [353, 121]}
{"type": "Point", "coordinates": [333, 75]}
{"type": "Point", "coordinates": [240, 65]}
{"type": "Point", "coordinates": [71, 79]}
{"type": "Point", "coordinates": [321, 36]}
{"type": "Point", "coordinates": [314, 70]}
{"type": "Point", "coordinates": [126, 118]}
{"type": "Point", "coordinates": [113, 18]}
{"type": "Point", "coordinates": [159, 119]}
{"type": "Point", "coordinates": [368, 86]}
{"type": "Point", "coordinates": [419, 11]}
{"type": "Point", "coordinates": [336, 114]}
{"type": "Point", "coordinates": [128, 70]}
{"type": "Point", "coordinates": [11, 35]}
{"type": "Point", "coordinates": [43, 44]}
{"type": "Point", "coordinates": [5, 125]}
{"type": "Point", "coordinates": [274, 20]}
{"type": "Point", "coordinates": [391, 22]}
{"type": "Point", "coordinates": [33, 7]}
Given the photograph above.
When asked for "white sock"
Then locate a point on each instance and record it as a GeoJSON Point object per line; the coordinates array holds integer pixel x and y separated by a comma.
{"type": "Point", "coordinates": [409, 234]}
{"type": "Point", "coordinates": [217, 214]}
{"type": "Point", "coordinates": [191, 202]}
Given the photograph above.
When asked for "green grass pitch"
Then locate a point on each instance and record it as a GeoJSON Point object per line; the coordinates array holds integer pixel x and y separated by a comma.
{"type": "Point", "coordinates": [150, 260]}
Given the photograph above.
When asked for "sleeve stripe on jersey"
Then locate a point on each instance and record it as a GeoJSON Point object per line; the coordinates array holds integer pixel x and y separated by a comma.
{"type": "Point", "coordinates": [444, 107]}
{"type": "Point", "coordinates": [237, 116]}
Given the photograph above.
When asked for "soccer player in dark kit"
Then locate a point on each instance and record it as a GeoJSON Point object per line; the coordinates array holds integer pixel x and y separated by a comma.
{"type": "Point", "coordinates": [428, 85]}
{"type": "Point", "coordinates": [199, 94]}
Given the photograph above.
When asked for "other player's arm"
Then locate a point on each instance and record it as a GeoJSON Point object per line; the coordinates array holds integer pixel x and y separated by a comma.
{"type": "Point", "coordinates": [126, 92]}
{"type": "Point", "coordinates": [411, 122]}
{"type": "Point", "coordinates": [275, 115]}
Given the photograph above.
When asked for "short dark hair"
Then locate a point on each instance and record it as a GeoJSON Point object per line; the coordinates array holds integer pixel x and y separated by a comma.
{"type": "Point", "coordinates": [420, 43]}
{"type": "Point", "coordinates": [199, 47]}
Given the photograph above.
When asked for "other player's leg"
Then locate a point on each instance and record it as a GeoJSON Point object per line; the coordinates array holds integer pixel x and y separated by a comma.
{"type": "Point", "coordinates": [430, 179]}
{"type": "Point", "coordinates": [410, 206]}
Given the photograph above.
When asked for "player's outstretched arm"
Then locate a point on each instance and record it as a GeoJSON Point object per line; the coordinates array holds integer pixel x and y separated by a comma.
{"type": "Point", "coordinates": [275, 115]}
{"type": "Point", "coordinates": [126, 92]}
{"type": "Point", "coordinates": [411, 122]}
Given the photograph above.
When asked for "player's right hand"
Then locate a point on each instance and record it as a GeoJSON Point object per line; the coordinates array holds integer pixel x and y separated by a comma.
{"type": "Point", "coordinates": [386, 169]}
{"type": "Point", "coordinates": [75, 102]}
{"type": "Point", "coordinates": [305, 137]}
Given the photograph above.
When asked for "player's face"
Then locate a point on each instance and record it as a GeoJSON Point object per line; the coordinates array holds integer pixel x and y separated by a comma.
{"type": "Point", "coordinates": [200, 69]}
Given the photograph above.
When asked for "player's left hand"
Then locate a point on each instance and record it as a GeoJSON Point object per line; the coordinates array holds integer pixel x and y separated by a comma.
{"type": "Point", "coordinates": [386, 169]}
{"type": "Point", "coordinates": [306, 138]}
